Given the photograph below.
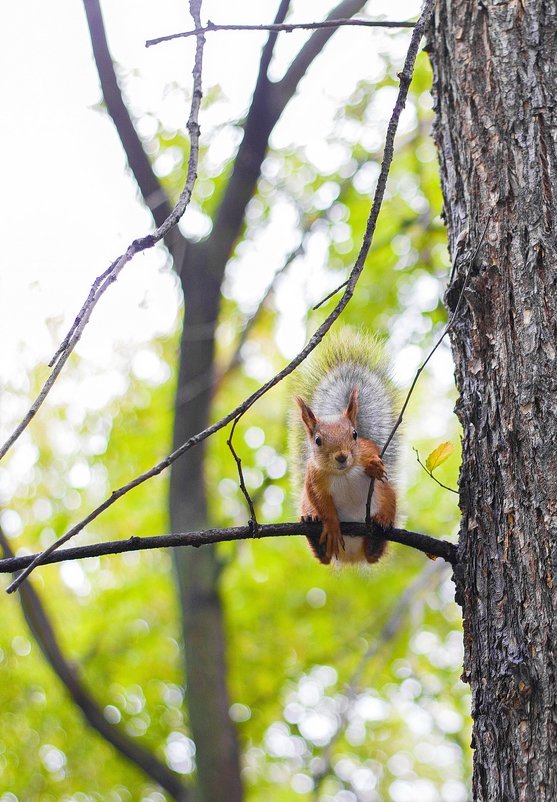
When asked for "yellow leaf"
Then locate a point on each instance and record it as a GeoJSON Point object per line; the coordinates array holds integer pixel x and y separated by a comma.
{"type": "Point", "coordinates": [438, 456]}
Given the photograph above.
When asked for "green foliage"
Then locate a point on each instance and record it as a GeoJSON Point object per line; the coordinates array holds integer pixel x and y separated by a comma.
{"type": "Point", "coordinates": [306, 698]}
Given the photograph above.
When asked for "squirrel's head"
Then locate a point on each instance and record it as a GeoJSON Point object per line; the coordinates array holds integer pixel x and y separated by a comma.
{"type": "Point", "coordinates": [333, 439]}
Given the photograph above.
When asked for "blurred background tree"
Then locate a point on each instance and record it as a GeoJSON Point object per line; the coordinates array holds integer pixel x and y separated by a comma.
{"type": "Point", "coordinates": [300, 682]}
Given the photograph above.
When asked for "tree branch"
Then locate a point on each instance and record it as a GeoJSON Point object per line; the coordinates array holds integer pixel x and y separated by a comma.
{"type": "Point", "coordinates": [252, 523]}
{"type": "Point", "coordinates": [314, 46]}
{"type": "Point", "coordinates": [405, 78]}
{"type": "Point", "coordinates": [469, 260]}
{"type": "Point", "coordinates": [102, 282]}
{"type": "Point", "coordinates": [428, 545]}
{"type": "Point", "coordinates": [153, 194]}
{"type": "Point", "coordinates": [43, 631]}
{"type": "Point", "coordinates": [284, 27]}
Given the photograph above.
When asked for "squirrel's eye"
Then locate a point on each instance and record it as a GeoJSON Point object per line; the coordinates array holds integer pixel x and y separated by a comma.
{"type": "Point", "coordinates": [354, 435]}
{"type": "Point", "coordinates": [318, 441]}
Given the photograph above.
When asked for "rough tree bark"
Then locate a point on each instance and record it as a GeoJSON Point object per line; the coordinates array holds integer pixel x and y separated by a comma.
{"type": "Point", "coordinates": [495, 91]}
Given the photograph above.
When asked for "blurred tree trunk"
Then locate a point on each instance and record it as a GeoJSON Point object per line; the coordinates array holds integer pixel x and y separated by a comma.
{"type": "Point", "coordinates": [197, 571]}
{"type": "Point", "coordinates": [201, 267]}
{"type": "Point", "coordinates": [495, 91]}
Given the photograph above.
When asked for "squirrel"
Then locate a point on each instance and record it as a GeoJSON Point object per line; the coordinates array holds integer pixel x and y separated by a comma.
{"type": "Point", "coordinates": [348, 417]}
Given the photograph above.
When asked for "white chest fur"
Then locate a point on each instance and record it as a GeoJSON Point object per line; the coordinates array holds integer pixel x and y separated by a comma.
{"type": "Point", "coordinates": [349, 493]}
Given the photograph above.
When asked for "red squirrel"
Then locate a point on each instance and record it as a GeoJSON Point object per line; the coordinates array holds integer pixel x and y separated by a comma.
{"type": "Point", "coordinates": [351, 414]}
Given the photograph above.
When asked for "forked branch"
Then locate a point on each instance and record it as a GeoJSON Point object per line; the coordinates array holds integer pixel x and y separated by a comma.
{"type": "Point", "coordinates": [405, 78]}
{"type": "Point", "coordinates": [109, 276]}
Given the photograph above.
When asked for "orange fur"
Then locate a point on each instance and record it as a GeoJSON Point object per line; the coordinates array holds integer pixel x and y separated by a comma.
{"type": "Point", "coordinates": [335, 452]}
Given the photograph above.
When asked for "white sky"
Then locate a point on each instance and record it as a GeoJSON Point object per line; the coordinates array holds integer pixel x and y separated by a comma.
{"type": "Point", "coordinates": [70, 206]}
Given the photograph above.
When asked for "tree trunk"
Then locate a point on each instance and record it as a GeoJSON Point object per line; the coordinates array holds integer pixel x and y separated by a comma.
{"type": "Point", "coordinates": [217, 756]}
{"type": "Point", "coordinates": [201, 269]}
{"type": "Point", "coordinates": [495, 89]}
{"type": "Point", "coordinates": [217, 751]}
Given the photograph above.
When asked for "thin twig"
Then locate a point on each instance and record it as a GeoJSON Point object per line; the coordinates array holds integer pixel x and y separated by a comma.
{"type": "Point", "coordinates": [415, 540]}
{"type": "Point", "coordinates": [100, 284]}
{"type": "Point", "coordinates": [77, 322]}
{"type": "Point", "coordinates": [109, 276]}
{"type": "Point", "coordinates": [285, 27]}
{"type": "Point", "coordinates": [446, 330]}
{"type": "Point", "coordinates": [405, 78]}
{"type": "Point", "coordinates": [430, 473]}
{"type": "Point", "coordinates": [253, 519]}
{"type": "Point", "coordinates": [330, 295]}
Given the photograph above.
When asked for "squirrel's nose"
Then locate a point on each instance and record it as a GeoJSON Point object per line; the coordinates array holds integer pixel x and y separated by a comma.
{"type": "Point", "coordinates": [341, 458]}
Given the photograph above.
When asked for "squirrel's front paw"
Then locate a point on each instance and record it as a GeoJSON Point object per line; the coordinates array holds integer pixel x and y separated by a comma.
{"type": "Point", "coordinates": [376, 468]}
{"type": "Point", "coordinates": [333, 541]}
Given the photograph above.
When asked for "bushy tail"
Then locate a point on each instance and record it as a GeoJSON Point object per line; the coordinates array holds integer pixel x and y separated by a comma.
{"type": "Point", "coordinates": [325, 380]}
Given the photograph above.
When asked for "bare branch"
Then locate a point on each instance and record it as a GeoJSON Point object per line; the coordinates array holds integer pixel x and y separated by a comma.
{"type": "Point", "coordinates": [428, 545]}
{"type": "Point", "coordinates": [67, 672]}
{"type": "Point", "coordinates": [471, 262]}
{"type": "Point", "coordinates": [102, 282]}
{"type": "Point", "coordinates": [154, 195]}
{"type": "Point", "coordinates": [330, 295]}
{"type": "Point", "coordinates": [314, 46]}
{"type": "Point", "coordinates": [285, 27]}
{"type": "Point", "coordinates": [405, 78]}
{"type": "Point", "coordinates": [253, 518]}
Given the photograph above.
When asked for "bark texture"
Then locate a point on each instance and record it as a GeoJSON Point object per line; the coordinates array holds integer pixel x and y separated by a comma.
{"type": "Point", "coordinates": [495, 92]}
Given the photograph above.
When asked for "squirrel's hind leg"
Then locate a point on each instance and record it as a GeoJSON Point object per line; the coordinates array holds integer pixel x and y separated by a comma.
{"type": "Point", "coordinates": [374, 548]}
{"type": "Point", "coordinates": [319, 549]}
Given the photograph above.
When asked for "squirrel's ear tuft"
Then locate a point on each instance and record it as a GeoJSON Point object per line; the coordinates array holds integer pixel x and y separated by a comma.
{"type": "Point", "coordinates": [309, 419]}
{"type": "Point", "coordinates": [351, 411]}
